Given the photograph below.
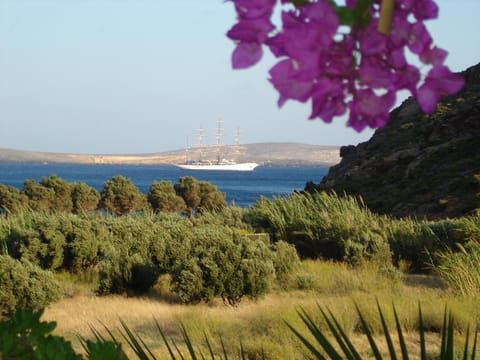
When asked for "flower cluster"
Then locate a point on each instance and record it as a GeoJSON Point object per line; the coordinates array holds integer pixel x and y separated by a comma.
{"type": "Point", "coordinates": [345, 66]}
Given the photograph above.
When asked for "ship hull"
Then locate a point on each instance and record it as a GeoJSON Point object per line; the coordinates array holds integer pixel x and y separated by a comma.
{"type": "Point", "coordinates": [219, 167]}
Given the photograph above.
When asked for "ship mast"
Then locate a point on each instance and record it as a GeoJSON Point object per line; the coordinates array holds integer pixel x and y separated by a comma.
{"type": "Point", "coordinates": [187, 153]}
{"type": "Point", "coordinates": [200, 143]}
{"type": "Point", "coordinates": [218, 137]}
{"type": "Point", "coordinates": [237, 145]}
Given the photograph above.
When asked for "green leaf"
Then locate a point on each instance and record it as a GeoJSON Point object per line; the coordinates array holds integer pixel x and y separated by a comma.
{"type": "Point", "coordinates": [386, 332]}
{"type": "Point", "coordinates": [401, 339]}
{"type": "Point", "coordinates": [368, 332]}
{"type": "Point", "coordinates": [319, 336]}
{"type": "Point", "coordinates": [170, 351]}
{"type": "Point", "coordinates": [299, 2]}
{"type": "Point", "coordinates": [362, 13]}
{"type": "Point", "coordinates": [346, 16]}
{"type": "Point", "coordinates": [474, 346]}
{"type": "Point", "coordinates": [465, 349]}
{"type": "Point", "coordinates": [341, 337]}
{"type": "Point", "coordinates": [421, 330]}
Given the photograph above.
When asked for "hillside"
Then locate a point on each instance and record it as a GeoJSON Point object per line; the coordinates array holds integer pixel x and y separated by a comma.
{"type": "Point", "coordinates": [263, 153]}
{"type": "Point", "coordinates": [419, 165]}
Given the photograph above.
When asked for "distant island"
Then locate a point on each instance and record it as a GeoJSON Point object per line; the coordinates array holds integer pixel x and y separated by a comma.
{"type": "Point", "coordinates": [289, 154]}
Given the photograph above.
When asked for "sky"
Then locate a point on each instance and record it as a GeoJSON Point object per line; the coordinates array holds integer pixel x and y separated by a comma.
{"type": "Point", "coordinates": [141, 76]}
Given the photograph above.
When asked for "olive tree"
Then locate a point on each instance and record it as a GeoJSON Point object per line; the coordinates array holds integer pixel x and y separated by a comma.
{"type": "Point", "coordinates": [84, 198]}
{"type": "Point", "coordinates": [120, 196]}
{"type": "Point", "coordinates": [11, 200]}
{"type": "Point", "coordinates": [163, 198]}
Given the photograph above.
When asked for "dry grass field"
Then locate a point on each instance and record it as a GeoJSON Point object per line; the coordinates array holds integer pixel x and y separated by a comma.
{"type": "Point", "coordinates": [260, 326]}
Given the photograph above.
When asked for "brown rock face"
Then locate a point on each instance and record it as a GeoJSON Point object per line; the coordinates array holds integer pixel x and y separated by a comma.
{"type": "Point", "coordinates": [419, 165]}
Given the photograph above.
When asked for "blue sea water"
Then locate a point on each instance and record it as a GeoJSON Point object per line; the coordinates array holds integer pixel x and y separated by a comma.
{"type": "Point", "coordinates": [242, 188]}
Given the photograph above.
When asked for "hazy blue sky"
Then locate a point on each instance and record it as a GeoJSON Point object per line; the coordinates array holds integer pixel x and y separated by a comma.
{"type": "Point", "coordinates": [139, 76]}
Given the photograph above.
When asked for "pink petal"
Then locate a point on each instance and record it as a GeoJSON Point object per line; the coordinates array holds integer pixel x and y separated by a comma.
{"type": "Point", "coordinates": [246, 55]}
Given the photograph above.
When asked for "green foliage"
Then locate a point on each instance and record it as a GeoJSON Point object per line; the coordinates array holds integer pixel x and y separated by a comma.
{"type": "Point", "coordinates": [24, 285]}
{"type": "Point", "coordinates": [40, 198]}
{"type": "Point", "coordinates": [86, 238]}
{"type": "Point", "coordinates": [188, 189]}
{"type": "Point", "coordinates": [324, 225]}
{"type": "Point", "coordinates": [210, 197]}
{"type": "Point", "coordinates": [414, 242]}
{"type": "Point", "coordinates": [121, 197]}
{"type": "Point", "coordinates": [341, 346]}
{"type": "Point", "coordinates": [62, 193]}
{"type": "Point", "coordinates": [285, 260]}
{"type": "Point", "coordinates": [219, 263]}
{"type": "Point", "coordinates": [25, 337]}
{"type": "Point", "coordinates": [163, 198]}
{"type": "Point", "coordinates": [460, 270]}
{"type": "Point", "coordinates": [38, 239]}
{"type": "Point", "coordinates": [457, 231]}
{"type": "Point", "coordinates": [11, 200]}
{"type": "Point", "coordinates": [84, 198]}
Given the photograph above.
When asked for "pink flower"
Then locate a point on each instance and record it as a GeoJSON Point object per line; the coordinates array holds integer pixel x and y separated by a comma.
{"type": "Point", "coordinates": [369, 109]}
{"type": "Point", "coordinates": [283, 79]}
{"type": "Point", "coordinates": [434, 56]}
{"type": "Point", "coordinates": [337, 70]}
{"type": "Point", "coordinates": [246, 54]}
{"type": "Point", "coordinates": [419, 39]}
{"type": "Point", "coordinates": [375, 73]}
{"type": "Point", "coordinates": [328, 99]}
{"type": "Point", "coordinates": [253, 9]}
{"type": "Point", "coordinates": [440, 81]}
{"type": "Point", "coordinates": [251, 30]}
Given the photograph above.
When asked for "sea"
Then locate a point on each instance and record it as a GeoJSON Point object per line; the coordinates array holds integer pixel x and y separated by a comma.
{"type": "Point", "coordinates": [242, 188]}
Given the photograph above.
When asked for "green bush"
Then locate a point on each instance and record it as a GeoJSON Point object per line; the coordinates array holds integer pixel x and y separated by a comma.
{"type": "Point", "coordinates": [460, 270]}
{"type": "Point", "coordinates": [457, 231]}
{"type": "Point", "coordinates": [86, 239]}
{"type": "Point", "coordinates": [285, 261]}
{"type": "Point", "coordinates": [322, 225]}
{"type": "Point", "coordinates": [25, 337]}
{"type": "Point", "coordinates": [412, 241]}
{"type": "Point", "coordinates": [38, 238]}
{"type": "Point", "coordinates": [220, 263]}
{"type": "Point", "coordinates": [24, 285]}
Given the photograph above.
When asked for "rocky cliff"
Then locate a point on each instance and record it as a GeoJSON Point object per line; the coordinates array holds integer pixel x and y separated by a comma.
{"type": "Point", "coordinates": [419, 165]}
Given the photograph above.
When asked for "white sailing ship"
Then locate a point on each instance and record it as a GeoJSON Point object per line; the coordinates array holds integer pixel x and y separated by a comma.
{"type": "Point", "coordinates": [220, 163]}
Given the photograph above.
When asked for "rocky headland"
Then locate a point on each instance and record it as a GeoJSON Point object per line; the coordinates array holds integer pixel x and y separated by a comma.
{"type": "Point", "coordinates": [426, 166]}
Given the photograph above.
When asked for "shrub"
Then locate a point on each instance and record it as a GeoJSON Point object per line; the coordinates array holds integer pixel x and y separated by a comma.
{"type": "Point", "coordinates": [163, 198]}
{"type": "Point", "coordinates": [324, 225]}
{"type": "Point", "coordinates": [285, 260]}
{"type": "Point", "coordinates": [38, 238]}
{"type": "Point", "coordinates": [221, 264]}
{"type": "Point", "coordinates": [85, 241]}
{"type": "Point", "coordinates": [24, 285]}
{"type": "Point", "coordinates": [460, 270]}
{"type": "Point", "coordinates": [120, 196]}
{"type": "Point", "coordinates": [412, 241]}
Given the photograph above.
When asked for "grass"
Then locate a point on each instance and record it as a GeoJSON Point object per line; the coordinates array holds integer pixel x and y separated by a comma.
{"type": "Point", "coordinates": [260, 326]}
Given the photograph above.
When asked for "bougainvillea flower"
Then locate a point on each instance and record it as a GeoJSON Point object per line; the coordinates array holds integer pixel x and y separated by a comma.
{"type": "Point", "coordinates": [251, 30]}
{"type": "Point", "coordinates": [253, 9]}
{"type": "Point", "coordinates": [370, 109]}
{"type": "Point", "coordinates": [344, 69]}
{"type": "Point", "coordinates": [328, 100]}
{"type": "Point", "coordinates": [246, 55]}
{"type": "Point", "coordinates": [282, 76]}
{"type": "Point", "coordinates": [434, 56]}
{"type": "Point", "coordinates": [375, 74]}
{"type": "Point", "coordinates": [439, 82]}
{"type": "Point", "coordinates": [420, 39]}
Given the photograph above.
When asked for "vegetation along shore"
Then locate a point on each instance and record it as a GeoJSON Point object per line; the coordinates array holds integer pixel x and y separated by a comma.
{"type": "Point", "coordinates": [318, 274]}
